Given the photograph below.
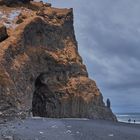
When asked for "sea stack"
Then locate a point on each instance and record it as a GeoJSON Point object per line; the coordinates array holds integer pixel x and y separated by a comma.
{"type": "Point", "coordinates": [40, 68]}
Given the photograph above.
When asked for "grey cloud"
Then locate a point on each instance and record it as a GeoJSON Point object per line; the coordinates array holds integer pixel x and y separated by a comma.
{"type": "Point", "coordinates": [108, 34]}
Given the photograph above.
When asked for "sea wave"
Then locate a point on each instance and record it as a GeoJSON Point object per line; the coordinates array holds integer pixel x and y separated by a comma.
{"type": "Point", "coordinates": [123, 115]}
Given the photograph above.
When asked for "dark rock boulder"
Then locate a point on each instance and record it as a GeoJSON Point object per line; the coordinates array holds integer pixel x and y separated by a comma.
{"type": "Point", "coordinates": [3, 33]}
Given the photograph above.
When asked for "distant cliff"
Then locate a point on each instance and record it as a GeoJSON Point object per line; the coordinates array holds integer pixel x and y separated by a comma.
{"type": "Point", "coordinates": [40, 67]}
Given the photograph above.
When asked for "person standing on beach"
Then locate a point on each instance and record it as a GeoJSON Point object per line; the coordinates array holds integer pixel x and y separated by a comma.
{"type": "Point", "coordinates": [129, 120]}
{"type": "Point", "coordinates": [134, 121]}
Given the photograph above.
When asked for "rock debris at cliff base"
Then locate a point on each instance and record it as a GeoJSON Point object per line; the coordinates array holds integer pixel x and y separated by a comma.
{"type": "Point", "coordinates": [41, 70]}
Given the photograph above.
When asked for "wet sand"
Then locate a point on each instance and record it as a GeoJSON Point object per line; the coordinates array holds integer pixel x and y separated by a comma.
{"type": "Point", "coordinates": [68, 129]}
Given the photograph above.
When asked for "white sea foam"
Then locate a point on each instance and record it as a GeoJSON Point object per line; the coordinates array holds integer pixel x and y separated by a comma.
{"type": "Point", "coordinates": [123, 115]}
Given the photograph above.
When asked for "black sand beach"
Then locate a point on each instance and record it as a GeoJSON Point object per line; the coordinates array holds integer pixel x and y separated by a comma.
{"type": "Point", "coordinates": [68, 129]}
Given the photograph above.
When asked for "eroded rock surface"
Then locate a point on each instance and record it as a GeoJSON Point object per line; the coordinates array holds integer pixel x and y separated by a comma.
{"type": "Point", "coordinates": [42, 69]}
{"type": "Point", "coordinates": [3, 32]}
{"type": "Point", "coordinates": [12, 2]}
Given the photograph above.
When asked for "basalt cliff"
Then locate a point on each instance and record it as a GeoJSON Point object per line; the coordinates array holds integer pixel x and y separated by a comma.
{"type": "Point", "coordinates": [41, 70]}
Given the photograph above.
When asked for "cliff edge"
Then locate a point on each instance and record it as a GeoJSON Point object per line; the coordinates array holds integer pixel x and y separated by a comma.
{"type": "Point", "coordinates": [40, 67]}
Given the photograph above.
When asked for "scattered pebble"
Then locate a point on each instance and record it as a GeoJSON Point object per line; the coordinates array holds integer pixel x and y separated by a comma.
{"type": "Point", "coordinates": [68, 131]}
{"type": "Point", "coordinates": [69, 126]}
{"type": "Point", "coordinates": [19, 123]}
{"type": "Point", "coordinates": [41, 132]}
{"type": "Point", "coordinates": [111, 135]}
{"type": "Point", "coordinates": [8, 138]}
{"type": "Point", "coordinates": [54, 126]}
{"type": "Point", "coordinates": [77, 132]}
{"type": "Point", "coordinates": [22, 121]}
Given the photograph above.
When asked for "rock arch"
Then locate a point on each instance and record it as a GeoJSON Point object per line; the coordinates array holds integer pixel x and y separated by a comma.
{"type": "Point", "coordinates": [44, 100]}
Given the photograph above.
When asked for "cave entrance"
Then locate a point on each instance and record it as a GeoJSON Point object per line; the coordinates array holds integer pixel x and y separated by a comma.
{"type": "Point", "coordinates": [44, 101]}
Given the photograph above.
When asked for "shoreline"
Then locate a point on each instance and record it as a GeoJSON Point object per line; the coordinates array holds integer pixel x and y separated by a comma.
{"type": "Point", "coordinates": [132, 118]}
{"type": "Point", "coordinates": [121, 121]}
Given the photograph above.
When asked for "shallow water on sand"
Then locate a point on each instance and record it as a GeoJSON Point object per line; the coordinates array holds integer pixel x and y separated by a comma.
{"type": "Point", "coordinates": [124, 117]}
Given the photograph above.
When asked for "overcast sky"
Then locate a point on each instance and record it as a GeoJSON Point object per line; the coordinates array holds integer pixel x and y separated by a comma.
{"type": "Point", "coordinates": [108, 34]}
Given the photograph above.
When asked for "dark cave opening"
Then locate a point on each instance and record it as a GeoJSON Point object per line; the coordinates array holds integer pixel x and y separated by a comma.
{"type": "Point", "coordinates": [43, 102]}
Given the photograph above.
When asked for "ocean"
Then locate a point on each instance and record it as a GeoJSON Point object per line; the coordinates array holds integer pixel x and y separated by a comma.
{"type": "Point", "coordinates": [124, 117]}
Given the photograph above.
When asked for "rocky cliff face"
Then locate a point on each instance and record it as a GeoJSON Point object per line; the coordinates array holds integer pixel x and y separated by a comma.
{"type": "Point", "coordinates": [40, 67]}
